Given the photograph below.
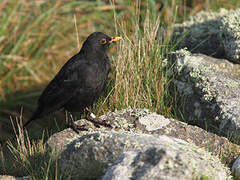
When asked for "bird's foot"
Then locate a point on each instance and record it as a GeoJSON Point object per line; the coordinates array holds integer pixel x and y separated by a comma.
{"type": "Point", "coordinates": [75, 127]}
{"type": "Point", "coordinates": [98, 122]}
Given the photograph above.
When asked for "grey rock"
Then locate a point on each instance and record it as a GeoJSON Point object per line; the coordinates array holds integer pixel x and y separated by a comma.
{"type": "Point", "coordinates": [230, 29]}
{"type": "Point", "coordinates": [236, 168]}
{"type": "Point", "coordinates": [211, 33]}
{"type": "Point", "coordinates": [210, 90]}
{"type": "Point", "coordinates": [144, 121]}
{"type": "Point", "coordinates": [160, 163]}
{"type": "Point", "coordinates": [154, 122]}
{"type": "Point", "coordinates": [89, 154]}
{"type": "Point", "coordinates": [220, 146]}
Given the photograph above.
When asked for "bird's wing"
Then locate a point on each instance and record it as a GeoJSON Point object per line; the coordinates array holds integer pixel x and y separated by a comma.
{"type": "Point", "coordinates": [62, 88]}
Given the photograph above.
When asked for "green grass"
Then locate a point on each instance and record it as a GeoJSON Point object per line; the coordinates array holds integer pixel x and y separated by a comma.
{"type": "Point", "coordinates": [138, 77]}
{"type": "Point", "coordinates": [37, 38]}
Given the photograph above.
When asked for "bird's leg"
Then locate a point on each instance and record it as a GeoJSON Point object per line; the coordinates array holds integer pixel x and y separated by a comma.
{"type": "Point", "coordinates": [73, 125]}
{"type": "Point", "coordinates": [96, 121]}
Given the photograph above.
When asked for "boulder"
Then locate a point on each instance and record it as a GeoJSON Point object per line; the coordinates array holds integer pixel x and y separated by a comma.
{"type": "Point", "coordinates": [211, 33]}
{"type": "Point", "coordinates": [157, 163]}
{"type": "Point", "coordinates": [89, 154]}
{"type": "Point", "coordinates": [209, 91]}
{"type": "Point", "coordinates": [138, 131]}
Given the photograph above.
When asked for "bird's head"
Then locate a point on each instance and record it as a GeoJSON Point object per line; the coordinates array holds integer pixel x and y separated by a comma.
{"type": "Point", "coordinates": [98, 43]}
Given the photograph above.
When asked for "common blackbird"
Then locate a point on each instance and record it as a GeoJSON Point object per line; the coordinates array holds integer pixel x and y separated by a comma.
{"type": "Point", "coordinates": [80, 81]}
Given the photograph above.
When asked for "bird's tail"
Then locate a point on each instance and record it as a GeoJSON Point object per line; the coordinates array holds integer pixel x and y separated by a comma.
{"type": "Point", "coordinates": [25, 124]}
{"type": "Point", "coordinates": [35, 115]}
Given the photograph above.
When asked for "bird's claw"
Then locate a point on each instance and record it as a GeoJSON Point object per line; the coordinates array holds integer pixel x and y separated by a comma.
{"type": "Point", "coordinates": [75, 127]}
{"type": "Point", "coordinates": [97, 122]}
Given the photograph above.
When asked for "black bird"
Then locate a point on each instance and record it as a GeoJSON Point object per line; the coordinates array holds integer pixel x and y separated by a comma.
{"type": "Point", "coordinates": [80, 81]}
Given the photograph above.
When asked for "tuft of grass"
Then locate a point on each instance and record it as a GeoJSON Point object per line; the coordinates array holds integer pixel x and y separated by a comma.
{"type": "Point", "coordinates": [138, 78]}
{"type": "Point", "coordinates": [27, 157]}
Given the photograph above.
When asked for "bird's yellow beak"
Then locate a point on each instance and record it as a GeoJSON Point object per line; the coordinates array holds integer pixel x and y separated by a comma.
{"type": "Point", "coordinates": [115, 39]}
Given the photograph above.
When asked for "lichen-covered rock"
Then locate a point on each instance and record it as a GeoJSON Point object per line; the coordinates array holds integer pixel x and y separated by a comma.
{"type": "Point", "coordinates": [230, 29]}
{"type": "Point", "coordinates": [200, 34]}
{"type": "Point", "coordinates": [160, 163]}
{"type": "Point", "coordinates": [209, 88]}
{"type": "Point", "coordinates": [144, 121]}
{"type": "Point", "coordinates": [236, 168]}
{"type": "Point", "coordinates": [89, 154]}
{"type": "Point", "coordinates": [212, 33]}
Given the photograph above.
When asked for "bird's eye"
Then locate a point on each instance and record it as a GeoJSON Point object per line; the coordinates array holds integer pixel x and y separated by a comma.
{"type": "Point", "coordinates": [103, 41]}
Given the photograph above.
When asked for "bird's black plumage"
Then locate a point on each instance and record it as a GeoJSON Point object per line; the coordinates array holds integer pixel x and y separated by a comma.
{"type": "Point", "coordinates": [80, 81]}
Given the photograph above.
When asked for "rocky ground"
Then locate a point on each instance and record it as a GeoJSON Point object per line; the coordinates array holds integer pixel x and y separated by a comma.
{"type": "Point", "coordinates": [141, 144]}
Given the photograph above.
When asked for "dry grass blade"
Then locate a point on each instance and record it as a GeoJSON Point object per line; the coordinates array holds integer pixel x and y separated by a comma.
{"type": "Point", "coordinates": [19, 133]}
{"type": "Point", "coordinates": [24, 148]}
{"type": "Point", "coordinates": [139, 77]}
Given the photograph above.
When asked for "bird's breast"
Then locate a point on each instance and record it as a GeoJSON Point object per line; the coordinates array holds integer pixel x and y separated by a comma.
{"type": "Point", "coordinates": [96, 77]}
